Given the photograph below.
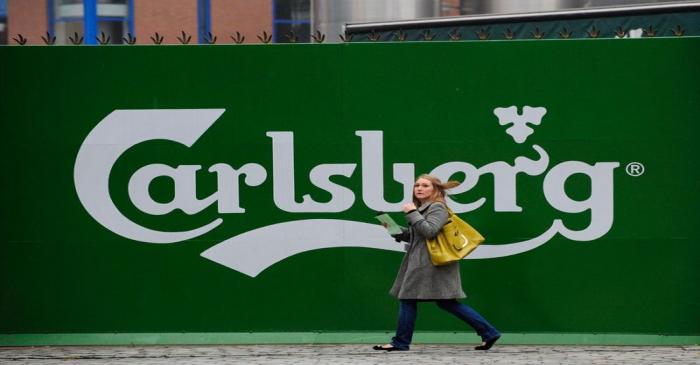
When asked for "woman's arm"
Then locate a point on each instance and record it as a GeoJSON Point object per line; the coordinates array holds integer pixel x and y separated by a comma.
{"type": "Point", "coordinates": [403, 236]}
{"type": "Point", "coordinates": [429, 225]}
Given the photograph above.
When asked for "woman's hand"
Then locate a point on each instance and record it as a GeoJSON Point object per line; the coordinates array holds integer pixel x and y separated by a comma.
{"type": "Point", "coordinates": [409, 207]}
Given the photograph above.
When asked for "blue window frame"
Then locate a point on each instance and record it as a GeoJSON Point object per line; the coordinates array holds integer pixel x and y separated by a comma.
{"type": "Point", "coordinates": [3, 21]}
{"type": "Point", "coordinates": [90, 19]}
{"type": "Point", "coordinates": [203, 20]}
{"type": "Point", "coordinates": [3, 9]}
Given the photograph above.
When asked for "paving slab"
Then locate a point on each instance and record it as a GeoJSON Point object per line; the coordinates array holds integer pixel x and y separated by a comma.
{"type": "Point", "coordinates": [348, 354]}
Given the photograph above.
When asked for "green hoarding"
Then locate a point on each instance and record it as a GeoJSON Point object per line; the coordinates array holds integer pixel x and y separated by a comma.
{"type": "Point", "coordinates": [156, 189]}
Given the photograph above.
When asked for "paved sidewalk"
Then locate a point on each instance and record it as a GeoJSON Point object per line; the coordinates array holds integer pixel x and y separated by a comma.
{"type": "Point", "coordinates": [349, 354]}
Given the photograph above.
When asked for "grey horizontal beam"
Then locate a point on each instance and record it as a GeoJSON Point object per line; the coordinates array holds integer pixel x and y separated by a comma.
{"type": "Point", "coordinates": [608, 11]}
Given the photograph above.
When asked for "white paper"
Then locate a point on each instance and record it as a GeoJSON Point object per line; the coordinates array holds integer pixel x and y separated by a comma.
{"type": "Point", "coordinates": [391, 225]}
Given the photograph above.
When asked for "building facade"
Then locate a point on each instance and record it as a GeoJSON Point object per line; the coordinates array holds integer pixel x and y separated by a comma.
{"type": "Point", "coordinates": [199, 21]}
{"type": "Point", "coordinates": [232, 21]}
{"type": "Point", "coordinates": [146, 22]}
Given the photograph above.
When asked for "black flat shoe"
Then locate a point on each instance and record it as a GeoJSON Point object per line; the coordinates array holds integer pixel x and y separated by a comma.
{"type": "Point", "coordinates": [488, 344]}
{"type": "Point", "coordinates": [387, 349]}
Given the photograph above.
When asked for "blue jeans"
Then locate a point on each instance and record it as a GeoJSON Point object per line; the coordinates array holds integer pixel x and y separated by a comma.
{"type": "Point", "coordinates": [407, 320]}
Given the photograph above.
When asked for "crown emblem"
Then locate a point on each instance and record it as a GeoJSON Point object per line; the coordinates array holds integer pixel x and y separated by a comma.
{"type": "Point", "coordinates": [520, 129]}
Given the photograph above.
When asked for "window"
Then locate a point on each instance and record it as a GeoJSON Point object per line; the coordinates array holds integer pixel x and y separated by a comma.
{"type": "Point", "coordinates": [291, 16]}
{"type": "Point", "coordinates": [3, 21]}
{"type": "Point", "coordinates": [111, 17]}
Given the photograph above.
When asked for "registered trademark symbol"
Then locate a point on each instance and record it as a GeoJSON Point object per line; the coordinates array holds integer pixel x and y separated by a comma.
{"type": "Point", "coordinates": [634, 169]}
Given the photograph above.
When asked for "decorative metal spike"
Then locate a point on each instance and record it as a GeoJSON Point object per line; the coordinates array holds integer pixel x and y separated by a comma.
{"type": "Point", "coordinates": [620, 32]}
{"type": "Point", "coordinates": [537, 34]}
{"type": "Point", "coordinates": [184, 38]}
{"type": "Point", "coordinates": [650, 32]}
{"type": "Point", "coordinates": [427, 35]}
{"type": "Point", "coordinates": [103, 39]}
{"type": "Point", "coordinates": [508, 34]}
{"type": "Point", "coordinates": [374, 36]}
{"type": "Point", "coordinates": [76, 39]}
{"type": "Point", "coordinates": [565, 33]}
{"type": "Point", "coordinates": [455, 35]}
{"type": "Point", "coordinates": [482, 34]}
{"type": "Point", "coordinates": [239, 38]}
{"type": "Point", "coordinates": [210, 38]}
{"type": "Point", "coordinates": [157, 38]}
{"type": "Point", "coordinates": [318, 37]}
{"type": "Point", "coordinates": [678, 31]}
{"type": "Point", "coordinates": [129, 39]}
{"type": "Point", "coordinates": [49, 39]}
{"type": "Point", "coordinates": [593, 32]}
{"type": "Point", "coordinates": [292, 37]}
{"type": "Point", "coordinates": [400, 35]}
{"type": "Point", "coordinates": [264, 37]}
{"type": "Point", "coordinates": [345, 37]}
{"type": "Point", "coordinates": [20, 40]}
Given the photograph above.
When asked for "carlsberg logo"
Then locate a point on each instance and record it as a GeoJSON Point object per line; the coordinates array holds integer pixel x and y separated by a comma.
{"type": "Point", "coordinates": [253, 251]}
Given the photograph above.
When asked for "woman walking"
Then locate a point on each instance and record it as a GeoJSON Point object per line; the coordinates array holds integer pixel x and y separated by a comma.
{"type": "Point", "coordinates": [419, 280]}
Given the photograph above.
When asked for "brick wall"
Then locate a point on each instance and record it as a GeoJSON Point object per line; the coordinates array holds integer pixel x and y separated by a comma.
{"type": "Point", "coordinates": [230, 16]}
{"type": "Point", "coordinates": [27, 17]}
{"type": "Point", "coordinates": [167, 17]}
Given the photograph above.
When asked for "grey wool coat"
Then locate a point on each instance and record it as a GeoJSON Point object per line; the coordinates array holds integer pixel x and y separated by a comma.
{"type": "Point", "coordinates": [418, 278]}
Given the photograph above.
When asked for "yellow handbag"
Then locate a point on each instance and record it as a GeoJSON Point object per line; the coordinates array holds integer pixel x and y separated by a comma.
{"type": "Point", "coordinates": [455, 240]}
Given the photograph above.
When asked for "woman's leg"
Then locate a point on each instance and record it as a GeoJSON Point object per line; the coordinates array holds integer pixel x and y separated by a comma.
{"type": "Point", "coordinates": [407, 320]}
{"type": "Point", "coordinates": [471, 317]}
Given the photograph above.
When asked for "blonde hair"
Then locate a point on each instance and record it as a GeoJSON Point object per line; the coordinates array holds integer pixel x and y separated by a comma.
{"type": "Point", "coordinates": [439, 188]}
